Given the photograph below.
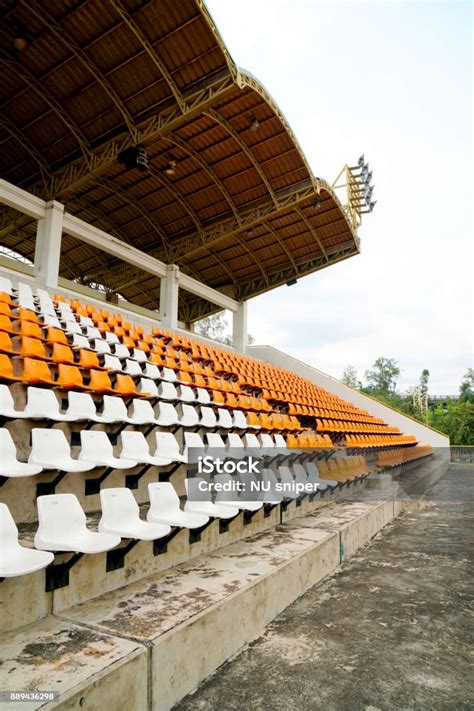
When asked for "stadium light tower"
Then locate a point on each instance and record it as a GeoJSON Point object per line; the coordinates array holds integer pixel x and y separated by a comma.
{"type": "Point", "coordinates": [357, 182]}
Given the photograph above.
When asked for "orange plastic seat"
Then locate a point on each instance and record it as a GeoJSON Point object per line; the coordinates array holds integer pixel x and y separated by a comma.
{"type": "Point", "coordinates": [6, 368]}
{"type": "Point", "coordinates": [6, 324]}
{"type": "Point", "coordinates": [56, 335]}
{"type": "Point", "coordinates": [185, 378]}
{"type": "Point", "coordinates": [124, 385]}
{"type": "Point", "coordinates": [89, 359]}
{"type": "Point", "coordinates": [32, 330]}
{"type": "Point", "coordinates": [100, 382]}
{"type": "Point", "coordinates": [265, 421]}
{"type": "Point", "coordinates": [62, 354]}
{"type": "Point", "coordinates": [36, 371]}
{"type": "Point", "coordinates": [70, 377]}
{"type": "Point", "coordinates": [27, 315]}
{"type": "Point", "coordinates": [5, 298]}
{"type": "Point", "coordinates": [6, 344]}
{"type": "Point", "coordinates": [252, 419]}
{"type": "Point", "coordinates": [5, 309]}
{"type": "Point", "coordinates": [217, 397]}
{"type": "Point", "coordinates": [32, 348]}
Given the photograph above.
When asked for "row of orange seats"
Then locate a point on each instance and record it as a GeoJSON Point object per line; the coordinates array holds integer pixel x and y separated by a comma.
{"type": "Point", "coordinates": [343, 468]}
{"type": "Point", "coordinates": [400, 456]}
{"type": "Point", "coordinates": [340, 426]}
{"type": "Point", "coordinates": [311, 440]}
{"type": "Point", "coordinates": [69, 377]}
{"type": "Point", "coordinates": [276, 421]}
{"type": "Point", "coordinates": [367, 441]}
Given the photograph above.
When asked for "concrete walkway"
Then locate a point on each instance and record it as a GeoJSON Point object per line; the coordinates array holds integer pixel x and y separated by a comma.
{"type": "Point", "coordinates": [393, 630]}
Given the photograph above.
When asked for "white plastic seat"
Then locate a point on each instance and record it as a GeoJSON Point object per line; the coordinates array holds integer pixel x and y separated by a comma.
{"type": "Point", "coordinates": [65, 310]}
{"type": "Point", "coordinates": [46, 309]}
{"type": "Point", "coordinates": [100, 346]}
{"type": "Point", "coordinates": [15, 559]}
{"type": "Point", "coordinates": [6, 286]}
{"type": "Point", "coordinates": [113, 410]}
{"type": "Point", "coordinates": [314, 478]}
{"type": "Point", "coordinates": [202, 396]}
{"type": "Point", "coordinates": [165, 508]}
{"type": "Point", "coordinates": [121, 516]}
{"type": "Point", "coordinates": [267, 444]}
{"type": "Point", "coordinates": [43, 404]}
{"type": "Point", "coordinates": [112, 363]}
{"type": "Point", "coordinates": [97, 448]}
{"type": "Point", "coordinates": [132, 367]}
{"type": "Point", "coordinates": [167, 415]}
{"type": "Point", "coordinates": [224, 419]}
{"type": "Point", "coordinates": [185, 393]}
{"type": "Point", "coordinates": [9, 464]}
{"type": "Point", "coordinates": [287, 479]}
{"type": "Point", "coordinates": [232, 498]}
{"type": "Point", "coordinates": [192, 440]}
{"type": "Point", "coordinates": [200, 501]}
{"type": "Point", "coordinates": [7, 405]}
{"type": "Point", "coordinates": [50, 450]}
{"type": "Point", "coordinates": [273, 495]}
{"type": "Point", "coordinates": [167, 446]}
{"type": "Point", "coordinates": [51, 320]}
{"type": "Point", "coordinates": [135, 446]}
{"type": "Point", "coordinates": [234, 441]}
{"type": "Point", "coordinates": [86, 322]}
{"type": "Point", "coordinates": [301, 477]}
{"type": "Point", "coordinates": [142, 413]}
{"type": "Point", "coordinates": [71, 327]}
{"type": "Point", "coordinates": [280, 441]}
{"type": "Point", "coordinates": [148, 387]}
{"type": "Point", "coordinates": [111, 337]}
{"type": "Point", "coordinates": [252, 445]}
{"type": "Point", "coordinates": [80, 342]}
{"type": "Point", "coordinates": [152, 371]}
{"type": "Point", "coordinates": [240, 421]}
{"type": "Point", "coordinates": [208, 417]}
{"type": "Point", "coordinates": [120, 351]}
{"type": "Point", "coordinates": [93, 333]}
{"type": "Point", "coordinates": [189, 416]}
{"type": "Point", "coordinates": [167, 391]}
{"type": "Point", "coordinates": [25, 297]}
{"type": "Point", "coordinates": [169, 375]}
{"type": "Point", "coordinates": [214, 441]}
{"type": "Point", "coordinates": [139, 355]}
{"type": "Point", "coordinates": [62, 527]}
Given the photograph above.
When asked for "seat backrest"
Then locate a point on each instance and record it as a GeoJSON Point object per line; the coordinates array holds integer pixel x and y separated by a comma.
{"type": "Point", "coordinates": [37, 370]}
{"type": "Point", "coordinates": [114, 407]}
{"type": "Point", "coordinates": [300, 474]}
{"type": "Point", "coordinates": [96, 444]}
{"type": "Point", "coordinates": [193, 491]}
{"type": "Point", "coordinates": [49, 445]}
{"type": "Point", "coordinates": [166, 444]}
{"type": "Point", "coordinates": [100, 346]}
{"type": "Point", "coordinates": [81, 405]}
{"type": "Point", "coordinates": [152, 371]}
{"type": "Point", "coordinates": [7, 447]}
{"type": "Point", "coordinates": [132, 367]}
{"type": "Point", "coordinates": [42, 401]}
{"type": "Point", "coordinates": [167, 390]}
{"type": "Point", "coordinates": [251, 440]}
{"type": "Point", "coordinates": [99, 381]}
{"type": "Point", "coordinates": [167, 412]}
{"type": "Point", "coordinates": [234, 440]}
{"type": "Point", "coordinates": [208, 417]}
{"type": "Point", "coordinates": [124, 384]}
{"type": "Point", "coordinates": [163, 497]}
{"type": "Point", "coordinates": [240, 420]}
{"type": "Point", "coordinates": [121, 351]}
{"type": "Point", "coordinates": [214, 440]}
{"type": "Point", "coordinates": [118, 506]}
{"type": "Point", "coordinates": [134, 445]}
{"type": "Point", "coordinates": [8, 529]}
{"type": "Point", "coordinates": [6, 399]}
{"type": "Point", "coordinates": [60, 513]}
{"type": "Point", "coordinates": [142, 410]}
{"type": "Point", "coordinates": [112, 362]}
{"type": "Point", "coordinates": [69, 376]}
{"type": "Point", "coordinates": [267, 441]}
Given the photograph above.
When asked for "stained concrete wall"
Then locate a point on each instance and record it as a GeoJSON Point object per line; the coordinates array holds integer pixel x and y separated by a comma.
{"type": "Point", "coordinates": [392, 417]}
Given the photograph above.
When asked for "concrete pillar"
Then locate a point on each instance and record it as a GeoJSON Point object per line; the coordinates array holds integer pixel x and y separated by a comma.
{"type": "Point", "coordinates": [239, 328]}
{"type": "Point", "coordinates": [48, 244]}
{"type": "Point", "coordinates": [169, 297]}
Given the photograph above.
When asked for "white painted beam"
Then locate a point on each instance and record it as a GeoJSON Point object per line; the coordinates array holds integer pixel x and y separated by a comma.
{"type": "Point", "coordinates": [207, 292]}
{"type": "Point", "coordinates": [21, 200]}
{"type": "Point", "coordinates": [169, 293]}
{"type": "Point", "coordinates": [48, 244]}
{"type": "Point", "coordinates": [239, 328]}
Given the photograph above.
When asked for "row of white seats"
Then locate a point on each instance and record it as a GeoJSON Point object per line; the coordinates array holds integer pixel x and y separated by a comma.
{"type": "Point", "coordinates": [43, 404]}
{"type": "Point", "coordinates": [63, 523]}
{"type": "Point", "coordinates": [24, 296]}
{"type": "Point", "coordinates": [50, 449]}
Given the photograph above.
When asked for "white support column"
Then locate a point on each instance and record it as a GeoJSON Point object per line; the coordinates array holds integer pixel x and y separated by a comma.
{"type": "Point", "coordinates": [48, 244]}
{"type": "Point", "coordinates": [169, 291]}
{"type": "Point", "coordinates": [239, 327]}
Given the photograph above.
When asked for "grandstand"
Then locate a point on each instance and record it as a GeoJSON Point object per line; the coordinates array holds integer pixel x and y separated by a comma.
{"type": "Point", "coordinates": [148, 182]}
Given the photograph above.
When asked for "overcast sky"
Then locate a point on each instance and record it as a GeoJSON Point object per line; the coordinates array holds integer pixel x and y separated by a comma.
{"type": "Point", "coordinates": [392, 80]}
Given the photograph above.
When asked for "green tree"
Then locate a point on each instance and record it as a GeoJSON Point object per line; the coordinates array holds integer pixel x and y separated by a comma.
{"type": "Point", "coordinates": [217, 327]}
{"type": "Point", "coordinates": [349, 377]}
{"type": "Point", "coordinates": [466, 389]}
{"type": "Point", "coordinates": [382, 377]}
{"type": "Point", "coordinates": [424, 380]}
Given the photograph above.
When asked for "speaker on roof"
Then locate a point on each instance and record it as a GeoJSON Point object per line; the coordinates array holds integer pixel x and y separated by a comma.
{"type": "Point", "coordinates": [134, 157]}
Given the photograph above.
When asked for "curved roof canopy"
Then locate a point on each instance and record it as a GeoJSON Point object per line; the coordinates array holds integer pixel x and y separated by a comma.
{"type": "Point", "coordinates": [228, 196]}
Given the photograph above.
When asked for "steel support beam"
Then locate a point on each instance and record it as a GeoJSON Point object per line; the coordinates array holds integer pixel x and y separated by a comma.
{"type": "Point", "coordinates": [48, 244]}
